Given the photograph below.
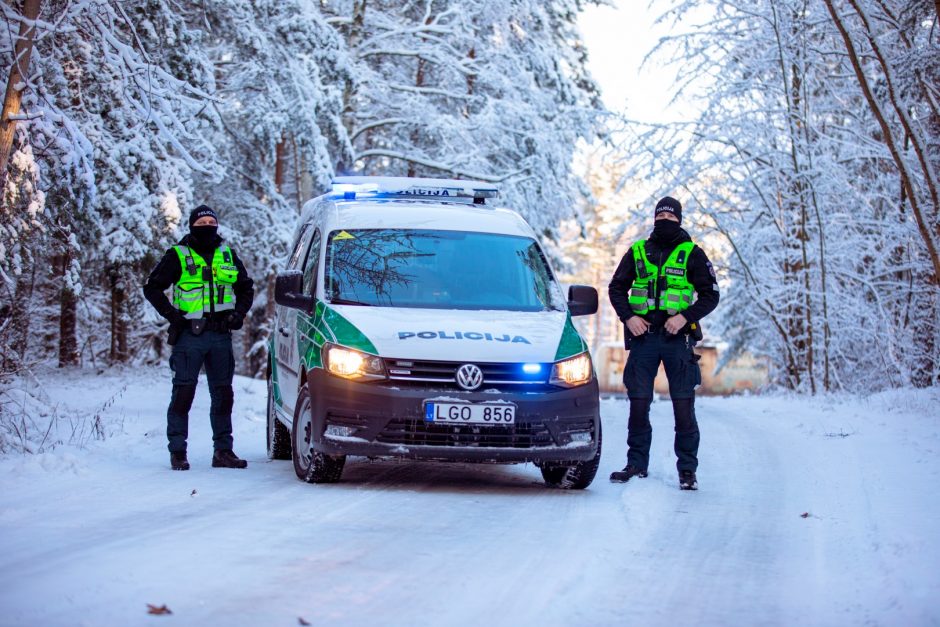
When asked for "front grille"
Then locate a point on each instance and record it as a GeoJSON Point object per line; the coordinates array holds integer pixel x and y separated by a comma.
{"type": "Point", "coordinates": [443, 373]}
{"type": "Point", "coordinates": [419, 432]}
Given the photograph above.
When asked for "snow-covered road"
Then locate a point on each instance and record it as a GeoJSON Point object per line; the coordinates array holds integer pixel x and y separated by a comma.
{"type": "Point", "coordinates": [90, 536]}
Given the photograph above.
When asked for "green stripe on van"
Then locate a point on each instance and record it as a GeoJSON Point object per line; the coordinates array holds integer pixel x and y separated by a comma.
{"type": "Point", "coordinates": [346, 333]}
{"type": "Point", "coordinates": [571, 342]}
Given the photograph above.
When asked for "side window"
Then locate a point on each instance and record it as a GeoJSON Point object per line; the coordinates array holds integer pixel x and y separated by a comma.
{"type": "Point", "coordinates": [297, 255]}
{"type": "Point", "coordinates": [313, 262]}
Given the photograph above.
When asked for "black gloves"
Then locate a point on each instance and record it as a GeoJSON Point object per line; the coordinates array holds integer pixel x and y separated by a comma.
{"type": "Point", "coordinates": [175, 317]}
{"type": "Point", "coordinates": [234, 321]}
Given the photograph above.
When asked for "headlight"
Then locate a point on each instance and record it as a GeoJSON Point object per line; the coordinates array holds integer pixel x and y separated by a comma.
{"type": "Point", "coordinates": [352, 364]}
{"type": "Point", "coordinates": [572, 372]}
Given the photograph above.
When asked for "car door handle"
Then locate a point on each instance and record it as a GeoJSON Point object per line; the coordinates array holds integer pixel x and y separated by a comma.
{"type": "Point", "coordinates": [283, 331]}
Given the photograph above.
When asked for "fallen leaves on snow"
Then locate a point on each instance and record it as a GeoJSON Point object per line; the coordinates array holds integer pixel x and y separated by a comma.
{"type": "Point", "coordinates": [161, 610]}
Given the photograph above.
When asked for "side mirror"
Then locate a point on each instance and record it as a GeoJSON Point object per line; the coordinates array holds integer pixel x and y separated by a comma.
{"type": "Point", "coordinates": [582, 300]}
{"type": "Point", "coordinates": [288, 291]}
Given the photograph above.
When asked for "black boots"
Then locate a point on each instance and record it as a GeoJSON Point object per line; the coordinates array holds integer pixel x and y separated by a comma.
{"type": "Point", "coordinates": [220, 459]}
{"type": "Point", "coordinates": [178, 460]}
{"type": "Point", "coordinates": [687, 480]}
{"type": "Point", "coordinates": [226, 458]}
{"type": "Point", "coordinates": [622, 476]}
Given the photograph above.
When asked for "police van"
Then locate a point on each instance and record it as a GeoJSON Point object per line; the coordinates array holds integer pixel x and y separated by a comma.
{"type": "Point", "coordinates": [416, 320]}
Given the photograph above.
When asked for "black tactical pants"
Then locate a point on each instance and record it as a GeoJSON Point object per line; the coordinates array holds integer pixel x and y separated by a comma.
{"type": "Point", "coordinates": [189, 354]}
{"type": "Point", "coordinates": [683, 372]}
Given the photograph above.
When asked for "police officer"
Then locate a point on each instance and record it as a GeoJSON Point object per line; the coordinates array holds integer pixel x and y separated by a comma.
{"type": "Point", "coordinates": [212, 293]}
{"type": "Point", "coordinates": [663, 286]}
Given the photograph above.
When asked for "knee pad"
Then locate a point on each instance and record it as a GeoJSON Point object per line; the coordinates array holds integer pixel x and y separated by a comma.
{"type": "Point", "coordinates": [182, 399]}
{"type": "Point", "coordinates": [223, 397]}
{"type": "Point", "coordinates": [684, 411]}
{"type": "Point", "coordinates": [639, 414]}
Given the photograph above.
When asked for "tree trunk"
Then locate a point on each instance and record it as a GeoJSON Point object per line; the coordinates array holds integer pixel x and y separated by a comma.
{"type": "Point", "coordinates": [118, 315]}
{"type": "Point", "coordinates": [471, 78]}
{"type": "Point", "coordinates": [19, 72]}
{"type": "Point", "coordinates": [349, 89]}
{"type": "Point", "coordinates": [298, 181]}
{"type": "Point", "coordinates": [68, 302]}
{"type": "Point", "coordinates": [419, 82]}
{"type": "Point", "coordinates": [280, 153]}
{"type": "Point", "coordinates": [20, 308]}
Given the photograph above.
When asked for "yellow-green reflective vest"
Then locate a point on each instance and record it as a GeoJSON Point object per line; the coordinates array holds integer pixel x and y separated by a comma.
{"type": "Point", "coordinates": [677, 294]}
{"type": "Point", "coordinates": [201, 288]}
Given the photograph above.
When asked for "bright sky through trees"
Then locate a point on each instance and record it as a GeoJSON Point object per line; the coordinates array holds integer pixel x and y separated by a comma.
{"type": "Point", "coordinates": [618, 38]}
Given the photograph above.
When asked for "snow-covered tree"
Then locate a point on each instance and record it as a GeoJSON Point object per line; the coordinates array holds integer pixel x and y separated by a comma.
{"type": "Point", "coordinates": [827, 273]}
{"type": "Point", "coordinates": [279, 73]}
{"type": "Point", "coordinates": [495, 91]}
{"type": "Point", "coordinates": [117, 130]}
{"type": "Point", "coordinates": [135, 111]}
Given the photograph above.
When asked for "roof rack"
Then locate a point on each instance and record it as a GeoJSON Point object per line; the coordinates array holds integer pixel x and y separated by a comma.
{"type": "Point", "coordinates": [393, 187]}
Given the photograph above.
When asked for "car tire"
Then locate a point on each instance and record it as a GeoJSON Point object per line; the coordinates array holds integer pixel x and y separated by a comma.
{"type": "Point", "coordinates": [575, 476]}
{"type": "Point", "coordinates": [279, 446]}
{"type": "Point", "coordinates": [310, 465]}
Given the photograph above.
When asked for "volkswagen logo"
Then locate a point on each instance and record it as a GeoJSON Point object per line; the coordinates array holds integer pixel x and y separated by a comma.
{"type": "Point", "coordinates": [469, 377]}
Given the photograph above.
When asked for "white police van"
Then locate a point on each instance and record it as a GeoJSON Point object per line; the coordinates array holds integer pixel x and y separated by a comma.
{"type": "Point", "coordinates": [415, 320]}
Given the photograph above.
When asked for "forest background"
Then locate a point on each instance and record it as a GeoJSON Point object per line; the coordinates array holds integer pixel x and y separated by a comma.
{"type": "Point", "coordinates": [810, 171]}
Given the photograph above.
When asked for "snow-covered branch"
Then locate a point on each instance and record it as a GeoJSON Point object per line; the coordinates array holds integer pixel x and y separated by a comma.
{"type": "Point", "coordinates": [452, 169]}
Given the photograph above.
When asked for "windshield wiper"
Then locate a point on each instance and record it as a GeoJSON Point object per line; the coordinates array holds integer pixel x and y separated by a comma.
{"type": "Point", "coordinates": [346, 301]}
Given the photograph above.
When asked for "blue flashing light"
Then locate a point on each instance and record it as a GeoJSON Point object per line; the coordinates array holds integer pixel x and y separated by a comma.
{"type": "Point", "coordinates": [356, 187]}
{"type": "Point", "coordinates": [532, 368]}
{"type": "Point", "coordinates": [352, 191]}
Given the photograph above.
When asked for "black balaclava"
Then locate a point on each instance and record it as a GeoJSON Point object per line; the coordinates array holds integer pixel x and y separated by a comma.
{"type": "Point", "coordinates": [665, 230]}
{"type": "Point", "coordinates": [205, 237]}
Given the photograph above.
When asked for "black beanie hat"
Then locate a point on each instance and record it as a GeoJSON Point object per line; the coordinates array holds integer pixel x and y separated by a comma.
{"type": "Point", "coordinates": [200, 212]}
{"type": "Point", "coordinates": [668, 204]}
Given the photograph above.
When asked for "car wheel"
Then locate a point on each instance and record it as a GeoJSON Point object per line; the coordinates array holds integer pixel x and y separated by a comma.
{"type": "Point", "coordinates": [576, 476]}
{"type": "Point", "coordinates": [278, 436]}
{"type": "Point", "coordinates": [311, 466]}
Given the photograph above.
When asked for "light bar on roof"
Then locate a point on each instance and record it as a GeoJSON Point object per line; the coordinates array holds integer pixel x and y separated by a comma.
{"type": "Point", "coordinates": [351, 187]}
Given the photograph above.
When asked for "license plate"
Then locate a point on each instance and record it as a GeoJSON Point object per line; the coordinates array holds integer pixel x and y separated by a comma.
{"type": "Point", "coordinates": [470, 413]}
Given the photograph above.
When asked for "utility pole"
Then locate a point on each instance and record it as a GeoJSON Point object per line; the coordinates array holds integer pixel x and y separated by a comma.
{"type": "Point", "coordinates": [16, 83]}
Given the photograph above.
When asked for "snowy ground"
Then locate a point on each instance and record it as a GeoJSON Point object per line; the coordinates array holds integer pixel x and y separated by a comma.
{"type": "Point", "coordinates": [90, 535]}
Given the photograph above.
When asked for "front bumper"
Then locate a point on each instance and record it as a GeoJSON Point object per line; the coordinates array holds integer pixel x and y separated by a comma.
{"type": "Point", "coordinates": [376, 420]}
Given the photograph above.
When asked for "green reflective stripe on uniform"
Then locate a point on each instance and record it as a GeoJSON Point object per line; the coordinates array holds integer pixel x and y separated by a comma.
{"type": "Point", "coordinates": [571, 342]}
{"type": "Point", "coordinates": [677, 292]}
{"type": "Point", "coordinates": [641, 292]}
{"type": "Point", "coordinates": [192, 292]}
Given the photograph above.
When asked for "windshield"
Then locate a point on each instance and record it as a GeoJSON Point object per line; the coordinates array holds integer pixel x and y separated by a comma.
{"type": "Point", "coordinates": [438, 270]}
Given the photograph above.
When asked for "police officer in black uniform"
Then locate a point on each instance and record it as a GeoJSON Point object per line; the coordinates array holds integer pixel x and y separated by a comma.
{"type": "Point", "coordinates": [212, 294]}
{"type": "Point", "coordinates": [663, 332]}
